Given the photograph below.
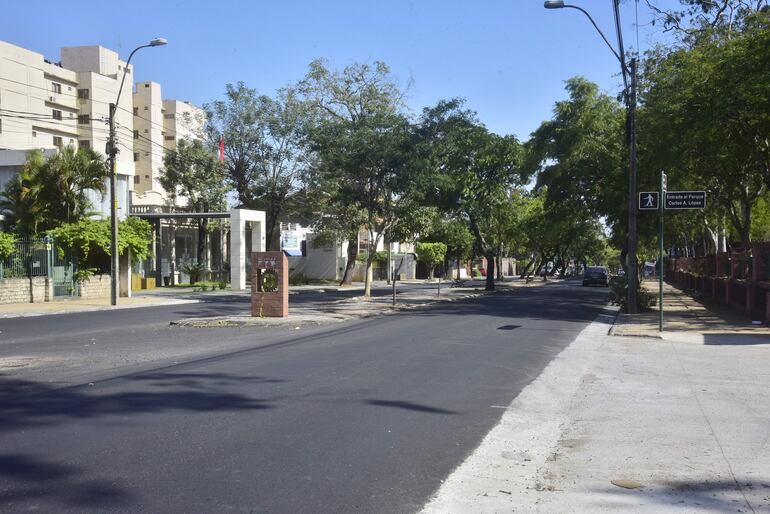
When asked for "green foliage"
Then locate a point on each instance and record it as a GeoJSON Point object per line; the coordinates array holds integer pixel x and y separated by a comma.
{"type": "Point", "coordinates": [365, 164]}
{"type": "Point", "coordinates": [46, 193]}
{"type": "Point", "coordinates": [191, 170]}
{"type": "Point", "coordinates": [471, 171]}
{"type": "Point", "coordinates": [431, 253]}
{"type": "Point", "coordinates": [84, 274]}
{"type": "Point", "coordinates": [705, 122]}
{"type": "Point", "coordinates": [204, 285]}
{"type": "Point", "coordinates": [89, 241]}
{"type": "Point", "coordinates": [619, 294]}
{"type": "Point", "coordinates": [455, 234]}
{"type": "Point", "coordinates": [7, 245]}
{"type": "Point", "coordinates": [264, 154]}
{"type": "Point", "coordinates": [297, 279]}
{"type": "Point", "coordinates": [194, 270]}
{"type": "Point", "coordinates": [269, 281]}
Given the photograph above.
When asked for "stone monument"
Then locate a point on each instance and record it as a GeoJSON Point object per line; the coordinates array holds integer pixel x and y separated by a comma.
{"type": "Point", "coordinates": [269, 285]}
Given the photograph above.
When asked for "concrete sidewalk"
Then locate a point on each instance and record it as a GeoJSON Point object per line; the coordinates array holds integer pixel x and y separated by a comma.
{"type": "Point", "coordinates": [632, 424]}
{"type": "Point", "coordinates": [22, 310]}
{"type": "Point", "coordinates": [687, 319]}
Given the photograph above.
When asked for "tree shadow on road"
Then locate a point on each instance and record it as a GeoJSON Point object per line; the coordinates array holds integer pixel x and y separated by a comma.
{"type": "Point", "coordinates": [418, 407]}
{"type": "Point", "coordinates": [28, 481]}
{"type": "Point", "coordinates": [25, 403]}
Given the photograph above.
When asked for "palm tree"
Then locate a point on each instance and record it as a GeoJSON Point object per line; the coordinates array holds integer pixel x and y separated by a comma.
{"type": "Point", "coordinates": [47, 193]}
{"type": "Point", "coordinates": [20, 202]}
{"type": "Point", "coordinates": [67, 177]}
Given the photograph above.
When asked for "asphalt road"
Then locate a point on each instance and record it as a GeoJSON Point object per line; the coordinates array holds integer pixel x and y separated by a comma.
{"type": "Point", "coordinates": [364, 417]}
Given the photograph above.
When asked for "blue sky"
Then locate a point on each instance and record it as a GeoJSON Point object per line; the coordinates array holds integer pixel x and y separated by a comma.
{"type": "Point", "coordinates": [509, 59]}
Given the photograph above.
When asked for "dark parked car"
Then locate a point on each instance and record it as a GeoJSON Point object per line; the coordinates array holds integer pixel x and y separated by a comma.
{"type": "Point", "coordinates": [596, 275]}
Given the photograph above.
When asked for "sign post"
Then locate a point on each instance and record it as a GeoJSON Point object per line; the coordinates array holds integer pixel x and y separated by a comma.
{"type": "Point", "coordinates": [662, 201]}
{"type": "Point", "coordinates": [663, 193]}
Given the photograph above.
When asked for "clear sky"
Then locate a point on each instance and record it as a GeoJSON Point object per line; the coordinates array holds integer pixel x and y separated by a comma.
{"type": "Point", "coordinates": [509, 59]}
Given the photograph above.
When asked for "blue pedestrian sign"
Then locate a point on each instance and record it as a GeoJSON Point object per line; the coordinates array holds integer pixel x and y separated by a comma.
{"type": "Point", "coordinates": [649, 201]}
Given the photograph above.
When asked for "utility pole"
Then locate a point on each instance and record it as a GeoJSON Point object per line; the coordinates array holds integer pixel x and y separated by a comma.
{"type": "Point", "coordinates": [112, 152]}
{"type": "Point", "coordinates": [633, 267]}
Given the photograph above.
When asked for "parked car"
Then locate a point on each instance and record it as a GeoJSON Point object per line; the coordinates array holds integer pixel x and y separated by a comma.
{"type": "Point", "coordinates": [596, 275]}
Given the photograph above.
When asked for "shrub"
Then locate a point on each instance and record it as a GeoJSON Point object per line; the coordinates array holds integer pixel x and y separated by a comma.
{"type": "Point", "coordinates": [7, 245]}
{"type": "Point", "coordinates": [194, 270]}
{"type": "Point", "coordinates": [297, 279]}
{"type": "Point", "coordinates": [619, 294]}
{"type": "Point", "coordinates": [89, 241]}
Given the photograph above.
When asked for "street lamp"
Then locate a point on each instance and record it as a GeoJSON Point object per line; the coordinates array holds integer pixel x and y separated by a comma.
{"type": "Point", "coordinates": [112, 152]}
{"type": "Point", "coordinates": [630, 97]}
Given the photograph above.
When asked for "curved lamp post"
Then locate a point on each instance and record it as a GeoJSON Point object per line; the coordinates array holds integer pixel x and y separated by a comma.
{"type": "Point", "coordinates": [630, 97]}
{"type": "Point", "coordinates": [112, 152]}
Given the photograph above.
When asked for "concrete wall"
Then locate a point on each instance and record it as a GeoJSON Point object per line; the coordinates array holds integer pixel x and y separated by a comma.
{"type": "Point", "coordinates": [97, 286]}
{"type": "Point", "coordinates": [25, 290]}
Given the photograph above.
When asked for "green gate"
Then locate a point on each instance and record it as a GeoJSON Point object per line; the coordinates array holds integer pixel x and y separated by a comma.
{"type": "Point", "coordinates": [62, 272]}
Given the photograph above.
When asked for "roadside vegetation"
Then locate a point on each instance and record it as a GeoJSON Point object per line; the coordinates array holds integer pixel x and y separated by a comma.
{"type": "Point", "coordinates": [339, 150]}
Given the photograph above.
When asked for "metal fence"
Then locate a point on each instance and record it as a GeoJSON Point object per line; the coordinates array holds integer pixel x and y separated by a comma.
{"type": "Point", "coordinates": [41, 258]}
{"type": "Point", "coordinates": [31, 258]}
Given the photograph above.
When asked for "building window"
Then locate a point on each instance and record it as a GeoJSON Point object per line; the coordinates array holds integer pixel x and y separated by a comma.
{"type": "Point", "coordinates": [55, 87]}
{"type": "Point", "coordinates": [84, 119]}
{"type": "Point", "coordinates": [57, 141]}
{"type": "Point", "coordinates": [137, 179]}
{"type": "Point", "coordinates": [84, 143]}
{"type": "Point", "coordinates": [1, 126]}
{"type": "Point", "coordinates": [145, 107]}
{"type": "Point", "coordinates": [169, 138]}
{"type": "Point", "coordinates": [136, 111]}
{"type": "Point", "coordinates": [56, 114]}
{"type": "Point", "coordinates": [136, 156]}
{"type": "Point", "coordinates": [146, 131]}
{"type": "Point", "coordinates": [83, 94]}
{"type": "Point", "coordinates": [169, 116]}
{"type": "Point", "coordinates": [136, 134]}
{"type": "Point", "coordinates": [34, 133]}
{"type": "Point", "coordinates": [147, 85]}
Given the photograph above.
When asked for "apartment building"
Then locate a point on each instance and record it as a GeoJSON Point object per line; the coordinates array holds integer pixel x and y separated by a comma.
{"type": "Point", "coordinates": [158, 125]}
{"type": "Point", "coordinates": [46, 104]}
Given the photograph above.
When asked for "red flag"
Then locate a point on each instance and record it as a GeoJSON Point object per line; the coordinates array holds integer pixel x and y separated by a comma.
{"type": "Point", "coordinates": [222, 149]}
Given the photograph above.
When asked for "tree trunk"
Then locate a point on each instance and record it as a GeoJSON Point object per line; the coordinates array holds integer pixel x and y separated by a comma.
{"type": "Point", "coordinates": [490, 284]}
{"type": "Point", "coordinates": [347, 278]}
{"type": "Point", "coordinates": [203, 224]}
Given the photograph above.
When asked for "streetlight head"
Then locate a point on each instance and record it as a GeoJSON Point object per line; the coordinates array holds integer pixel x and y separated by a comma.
{"type": "Point", "coordinates": [158, 41]}
{"type": "Point", "coordinates": [553, 4]}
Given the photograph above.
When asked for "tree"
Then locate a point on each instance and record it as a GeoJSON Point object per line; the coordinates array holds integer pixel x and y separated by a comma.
{"type": "Point", "coordinates": [191, 170]}
{"type": "Point", "coordinates": [432, 254]}
{"type": "Point", "coordinates": [578, 160]}
{"type": "Point", "coordinates": [722, 78]}
{"type": "Point", "coordinates": [364, 147]}
{"type": "Point", "coordinates": [456, 235]}
{"type": "Point", "coordinates": [472, 171]}
{"type": "Point", "coordinates": [264, 151]}
{"type": "Point", "coordinates": [47, 192]}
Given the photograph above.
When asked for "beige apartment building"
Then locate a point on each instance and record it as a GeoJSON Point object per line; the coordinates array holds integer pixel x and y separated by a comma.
{"type": "Point", "coordinates": [158, 125]}
{"type": "Point", "coordinates": [45, 104]}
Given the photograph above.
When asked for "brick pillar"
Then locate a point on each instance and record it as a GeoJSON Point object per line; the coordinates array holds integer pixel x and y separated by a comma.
{"type": "Point", "coordinates": [274, 304]}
